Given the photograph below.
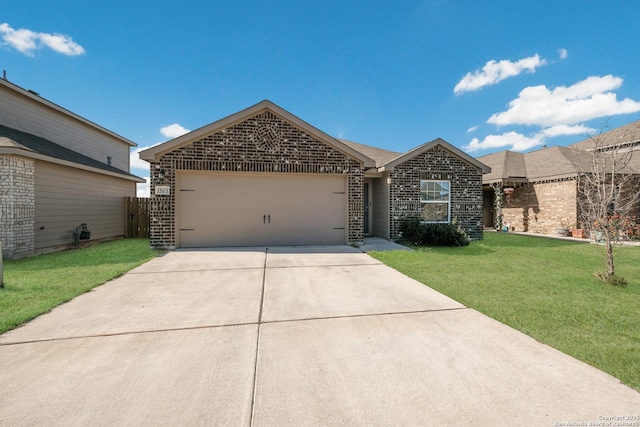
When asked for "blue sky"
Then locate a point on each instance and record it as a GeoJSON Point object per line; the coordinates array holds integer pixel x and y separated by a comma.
{"type": "Point", "coordinates": [485, 76]}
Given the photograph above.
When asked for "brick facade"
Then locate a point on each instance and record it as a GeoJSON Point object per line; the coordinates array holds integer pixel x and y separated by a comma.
{"type": "Point", "coordinates": [541, 207]}
{"type": "Point", "coordinates": [264, 143]}
{"type": "Point", "coordinates": [17, 206]}
{"type": "Point", "coordinates": [437, 164]}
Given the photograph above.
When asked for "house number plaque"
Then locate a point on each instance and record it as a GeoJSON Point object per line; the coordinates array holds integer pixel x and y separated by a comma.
{"type": "Point", "coordinates": [163, 190]}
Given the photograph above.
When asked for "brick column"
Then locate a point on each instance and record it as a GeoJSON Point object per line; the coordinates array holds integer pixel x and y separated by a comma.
{"type": "Point", "coordinates": [17, 206]}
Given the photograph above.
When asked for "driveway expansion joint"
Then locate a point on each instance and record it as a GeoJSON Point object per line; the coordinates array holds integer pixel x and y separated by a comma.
{"type": "Point", "coordinates": [255, 366]}
{"type": "Point", "coordinates": [323, 265]}
{"type": "Point", "coordinates": [230, 325]}
{"type": "Point", "coordinates": [194, 270]}
{"type": "Point", "coordinates": [346, 316]}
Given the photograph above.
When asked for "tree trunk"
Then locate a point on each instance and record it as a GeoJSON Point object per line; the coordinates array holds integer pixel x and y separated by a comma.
{"type": "Point", "coordinates": [609, 246]}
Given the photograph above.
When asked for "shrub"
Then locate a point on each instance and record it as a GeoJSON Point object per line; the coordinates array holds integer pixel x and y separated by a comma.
{"type": "Point", "coordinates": [418, 233]}
{"type": "Point", "coordinates": [611, 280]}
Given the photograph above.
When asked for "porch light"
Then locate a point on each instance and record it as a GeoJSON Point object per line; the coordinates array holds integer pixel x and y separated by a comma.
{"type": "Point", "coordinates": [508, 190]}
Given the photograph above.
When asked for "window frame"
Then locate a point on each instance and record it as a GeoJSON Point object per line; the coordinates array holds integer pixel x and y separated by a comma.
{"type": "Point", "coordinates": [425, 202]}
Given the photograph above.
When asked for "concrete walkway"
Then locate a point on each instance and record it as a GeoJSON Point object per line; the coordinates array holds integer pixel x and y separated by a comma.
{"type": "Point", "coordinates": [380, 244]}
{"type": "Point", "coordinates": [287, 337]}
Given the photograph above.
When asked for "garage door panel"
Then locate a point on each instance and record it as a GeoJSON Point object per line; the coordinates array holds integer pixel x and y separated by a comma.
{"type": "Point", "coordinates": [260, 209]}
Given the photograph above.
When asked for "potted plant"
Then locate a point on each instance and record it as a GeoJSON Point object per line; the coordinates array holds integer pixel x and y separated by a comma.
{"type": "Point", "coordinates": [564, 228]}
{"type": "Point", "coordinates": [578, 232]}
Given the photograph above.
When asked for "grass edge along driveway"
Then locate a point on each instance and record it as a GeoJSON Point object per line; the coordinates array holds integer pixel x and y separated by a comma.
{"type": "Point", "coordinates": [544, 288]}
{"type": "Point", "coordinates": [34, 286]}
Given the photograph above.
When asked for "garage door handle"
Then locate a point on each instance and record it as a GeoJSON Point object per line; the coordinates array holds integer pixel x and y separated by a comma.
{"type": "Point", "coordinates": [269, 217]}
{"type": "Point", "coordinates": [264, 219]}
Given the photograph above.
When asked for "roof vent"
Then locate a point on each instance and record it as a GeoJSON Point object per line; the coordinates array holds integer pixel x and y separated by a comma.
{"type": "Point", "coordinates": [33, 92]}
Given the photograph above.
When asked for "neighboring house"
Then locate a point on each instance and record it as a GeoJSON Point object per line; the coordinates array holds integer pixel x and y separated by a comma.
{"type": "Point", "coordinates": [262, 176]}
{"type": "Point", "coordinates": [57, 171]}
{"type": "Point", "coordinates": [540, 187]}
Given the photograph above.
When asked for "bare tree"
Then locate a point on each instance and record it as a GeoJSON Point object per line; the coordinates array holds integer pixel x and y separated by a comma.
{"type": "Point", "coordinates": [609, 188]}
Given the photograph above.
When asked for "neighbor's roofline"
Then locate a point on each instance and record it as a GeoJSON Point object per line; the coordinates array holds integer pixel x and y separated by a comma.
{"type": "Point", "coordinates": [390, 165]}
{"type": "Point", "coordinates": [34, 97]}
{"type": "Point", "coordinates": [154, 153]}
{"type": "Point", "coordinates": [29, 153]}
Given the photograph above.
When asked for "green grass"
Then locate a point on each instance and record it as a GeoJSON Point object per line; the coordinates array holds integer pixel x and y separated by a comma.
{"type": "Point", "coordinates": [544, 288]}
{"type": "Point", "coordinates": [33, 286]}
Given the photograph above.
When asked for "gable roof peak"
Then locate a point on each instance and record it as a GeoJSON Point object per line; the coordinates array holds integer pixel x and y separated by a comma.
{"type": "Point", "coordinates": [390, 165]}
{"type": "Point", "coordinates": [154, 153]}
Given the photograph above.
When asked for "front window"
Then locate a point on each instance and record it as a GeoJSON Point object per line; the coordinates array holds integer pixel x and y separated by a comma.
{"type": "Point", "coordinates": [435, 199]}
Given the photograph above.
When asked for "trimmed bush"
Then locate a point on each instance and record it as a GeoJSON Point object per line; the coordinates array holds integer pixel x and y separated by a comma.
{"type": "Point", "coordinates": [418, 233]}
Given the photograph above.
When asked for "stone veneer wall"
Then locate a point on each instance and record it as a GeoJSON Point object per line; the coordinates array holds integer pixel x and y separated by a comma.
{"type": "Point", "coordinates": [264, 143]}
{"type": "Point", "coordinates": [541, 207]}
{"type": "Point", "coordinates": [438, 164]}
{"type": "Point", "coordinates": [17, 206]}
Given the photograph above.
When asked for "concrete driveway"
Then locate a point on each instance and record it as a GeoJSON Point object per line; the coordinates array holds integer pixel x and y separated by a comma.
{"type": "Point", "coordinates": [288, 336]}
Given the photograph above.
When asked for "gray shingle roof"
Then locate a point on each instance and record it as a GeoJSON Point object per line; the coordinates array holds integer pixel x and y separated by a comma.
{"type": "Point", "coordinates": [17, 139]}
{"type": "Point", "coordinates": [550, 163]}
{"type": "Point", "coordinates": [388, 159]}
{"type": "Point", "coordinates": [546, 164]}
{"type": "Point", "coordinates": [506, 166]}
{"type": "Point", "coordinates": [560, 162]}
{"type": "Point", "coordinates": [379, 155]}
{"type": "Point", "coordinates": [628, 134]}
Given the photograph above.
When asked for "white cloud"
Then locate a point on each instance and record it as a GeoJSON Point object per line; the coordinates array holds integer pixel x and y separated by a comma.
{"type": "Point", "coordinates": [496, 71]}
{"type": "Point", "coordinates": [144, 189]}
{"type": "Point", "coordinates": [583, 101]}
{"type": "Point", "coordinates": [173, 131]}
{"type": "Point", "coordinates": [560, 130]}
{"type": "Point", "coordinates": [61, 44]}
{"type": "Point", "coordinates": [472, 129]}
{"type": "Point", "coordinates": [511, 140]}
{"type": "Point", "coordinates": [563, 53]}
{"type": "Point", "coordinates": [135, 162]}
{"type": "Point", "coordinates": [518, 142]}
{"type": "Point", "coordinates": [26, 41]}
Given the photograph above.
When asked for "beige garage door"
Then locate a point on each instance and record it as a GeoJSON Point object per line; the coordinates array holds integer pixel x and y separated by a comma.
{"type": "Point", "coordinates": [217, 209]}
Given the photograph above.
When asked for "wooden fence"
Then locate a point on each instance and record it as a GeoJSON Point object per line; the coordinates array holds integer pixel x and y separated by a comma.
{"type": "Point", "coordinates": [136, 216]}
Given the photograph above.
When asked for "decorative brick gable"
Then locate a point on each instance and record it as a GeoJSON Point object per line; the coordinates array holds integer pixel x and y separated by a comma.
{"type": "Point", "coordinates": [17, 206]}
{"type": "Point", "coordinates": [437, 164]}
{"type": "Point", "coordinates": [264, 143]}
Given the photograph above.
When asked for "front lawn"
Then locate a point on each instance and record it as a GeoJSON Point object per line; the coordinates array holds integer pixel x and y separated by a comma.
{"type": "Point", "coordinates": [33, 286]}
{"type": "Point", "coordinates": [544, 288]}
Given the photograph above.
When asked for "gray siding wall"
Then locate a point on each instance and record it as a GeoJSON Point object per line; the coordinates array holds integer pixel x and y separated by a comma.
{"type": "Point", "coordinates": [381, 207]}
{"type": "Point", "coordinates": [437, 164]}
{"type": "Point", "coordinates": [67, 197]}
{"type": "Point", "coordinates": [239, 148]}
{"type": "Point", "coordinates": [29, 116]}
